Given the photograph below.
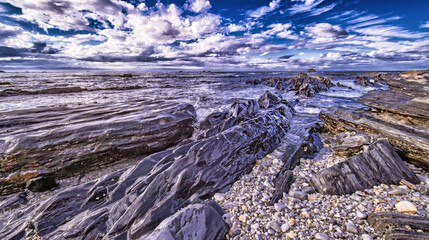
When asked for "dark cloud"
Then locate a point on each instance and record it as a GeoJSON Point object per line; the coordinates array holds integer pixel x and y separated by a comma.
{"type": "Point", "coordinates": [12, 52]}
{"type": "Point", "coordinates": [145, 56]}
{"type": "Point", "coordinates": [39, 48]}
{"type": "Point", "coordinates": [4, 34]}
{"type": "Point", "coordinates": [285, 57]}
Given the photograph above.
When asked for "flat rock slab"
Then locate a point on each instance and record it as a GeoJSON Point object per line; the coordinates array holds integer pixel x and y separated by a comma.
{"type": "Point", "coordinates": [69, 141]}
{"type": "Point", "coordinates": [378, 164]}
{"type": "Point", "coordinates": [131, 203]}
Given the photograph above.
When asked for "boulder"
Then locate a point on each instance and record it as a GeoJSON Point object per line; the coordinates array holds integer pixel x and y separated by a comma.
{"type": "Point", "coordinates": [349, 143]}
{"type": "Point", "coordinates": [302, 84]}
{"type": "Point", "coordinates": [363, 81]}
{"type": "Point", "coordinates": [311, 70]}
{"type": "Point", "coordinates": [132, 202]}
{"type": "Point", "coordinates": [69, 141]}
{"type": "Point", "coordinates": [400, 114]}
{"type": "Point", "coordinates": [378, 164]}
{"type": "Point", "coordinates": [196, 221]}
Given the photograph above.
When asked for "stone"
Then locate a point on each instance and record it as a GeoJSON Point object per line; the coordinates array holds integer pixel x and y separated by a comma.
{"type": "Point", "coordinates": [41, 183]}
{"type": "Point", "coordinates": [68, 141]}
{"type": "Point", "coordinates": [298, 195]}
{"type": "Point", "coordinates": [285, 227]}
{"type": "Point", "coordinates": [363, 81]}
{"type": "Point", "coordinates": [386, 222]}
{"type": "Point", "coordinates": [291, 235]}
{"type": "Point", "coordinates": [132, 202]}
{"type": "Point", "coordinates": [365, 237]}
{"type": "Point", "coordinates": [321, 236]}
{"type": "Point", "coordinates": [219, 197]}
{"type": "Point", "coordinates": [291, 222]}
{"type": "Point", "coordinates": [378, 164]}
{"type": "Point", "coordinates": [347, 145]}
{"type": "Point", "coordinates": [309, 190]}
{"type": "Point", "coordinates": [351, 228]}
{"type": "Point", "coordinates": [274, 225]}
{"type": "Point", "coordinates": [279, 207]}
{"type": "Point", "coordinates": [243, 218]}
{"type": "Point", "coordinates": [201, 221]}
{"type": "Point", "coordinates": [361, 214]}
{"type": "Point", "coordinates": [408, 184]}
{"type": "Point", "coordinates": [312, 197]}
{"type": "Point", "coordinates": [400, 190]}
{"type": "Point", "coordinates": [405, 207]}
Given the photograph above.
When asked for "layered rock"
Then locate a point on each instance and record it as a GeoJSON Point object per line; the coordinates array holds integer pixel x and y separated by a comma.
{"type": "Point", "coordinates": [67, 141]}
{"type": "Point", "coordinates": [131, 203]}
{"type": "Point", "coordinates": [400, 114]}
{"type": "Point", "coordinates": [400, 226]}
{"type": "Point", "coordinates": [302, 84]}
{"type": "Point", "coordinates": [378, 164]}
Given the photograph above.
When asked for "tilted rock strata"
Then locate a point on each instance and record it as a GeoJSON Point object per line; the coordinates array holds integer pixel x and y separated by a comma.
{"type": "Point", "coordinates": [379, 164]}
{"type": "Point", "coordinates": [131, 203]}
{"type": "Point", "coordinates": [69, 141]}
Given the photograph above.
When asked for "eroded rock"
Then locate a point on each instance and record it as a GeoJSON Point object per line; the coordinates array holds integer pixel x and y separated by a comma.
{"type": "Point", "coordinates": [378, 164]}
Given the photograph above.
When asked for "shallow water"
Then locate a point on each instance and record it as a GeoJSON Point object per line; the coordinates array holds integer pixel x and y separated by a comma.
{"type": "Point", "coordinates": [206, 91]}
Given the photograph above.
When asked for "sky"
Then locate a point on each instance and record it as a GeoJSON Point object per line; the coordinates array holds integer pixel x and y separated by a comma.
{"type": "Point", "coordinates": [230, 35]}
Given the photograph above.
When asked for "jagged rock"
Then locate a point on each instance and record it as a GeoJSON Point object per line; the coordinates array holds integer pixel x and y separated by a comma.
{"type": "Point", "coordinates": [125, 75]}
{"type": "Point", "coordinates": [69, 141]}
{"type": "Point", "coordinates": [132, 202]}
{"type": "Point", "coordinates": [349, 143]}
{"type": "Point", "coordinates": [301, 141]}
{"type": "Point", "coordinates": [378, 164]}
{"type": "Point", "coordinates": [400, 114]}
{"type": "Point", "coordinates": [398, 226]}
{"type": "Point", "coordinates": [302, 84]}
{"type": "Point", "coordinates": [196, 221]}
{"type": "Point", "coordinates": [13, 201]}
{"type": "Point", "coordinates": [41, 183]}
{"type": "Point", "coordinates": [344, 86]}
{"type": "Point", "coordinates": [363, 81]}
{"type": "Point", "coordinates": [269, 100]}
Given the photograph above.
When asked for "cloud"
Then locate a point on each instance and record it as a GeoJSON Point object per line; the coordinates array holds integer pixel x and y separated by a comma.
{"type": "Point", "coordinates": [326, 30]}
{"type": "Point", "coordinates": [425, 25]}
{"type": "Point", "coordinates": [198, 5]}
{"type": "Point", "coordinates": [389, 31]}
{"type": "Point", "coordinates": [274, 4]}
{"type": "Point", "coordinates": [319, 11]}
{"type": "Point", "coordinates": [304, 6]}
{"type": "Point", "coordinates": [279, 30]}
{"type": "Point", "coordinates": [236, 28]}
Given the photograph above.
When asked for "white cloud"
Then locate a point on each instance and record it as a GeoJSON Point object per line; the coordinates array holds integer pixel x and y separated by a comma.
{"type": "Point", "coordinates": [274, 4]}
{"type": "Point", "coordinates": [304, 6]}
{"type": "Point", "coordinates": [319, 11]}
{"type": "Point", "coordinates": [236, 28]}
{"type": "Point", "coordinates": [389, 31]}
{"type": "Point", "coordinates": [280, 30]}
{"type": "Point", "coordinates": [326, 30]}
{"type": "Point", "coordinates": [198, 5]}
{"type": "Point", "coordinates": [425, 25]}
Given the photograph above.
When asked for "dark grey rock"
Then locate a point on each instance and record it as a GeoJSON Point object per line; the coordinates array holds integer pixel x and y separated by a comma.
{"type": "Point", "coordinates": [376, 165]}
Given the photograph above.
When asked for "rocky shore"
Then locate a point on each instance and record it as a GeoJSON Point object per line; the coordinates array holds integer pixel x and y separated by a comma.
{"type": "Point", "coordinates": [258, 170]}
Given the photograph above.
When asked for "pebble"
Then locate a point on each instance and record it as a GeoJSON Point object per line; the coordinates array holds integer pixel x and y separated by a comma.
{"type": "Point", "coordinates": [351, 227]}
{"type": "Point", "coordinates": [279, 207]}
{"type": "Point", "coordinates": [274, 225]}
{"type": "Point", "coordinates": [291, 235]}
{"type": "Point", "coordinates": [322, 236]}
{"type": "Point", "coordinates": [312, 197]}
{"type": "Point", "coordinates": [361, 214]}
{"type": "Point", "coordinates": [408, 184]}
{"type": "Point", "coordinates": [356, 198]}
{"type": "Point", "coordinates": [243, 218]}
{"type": "Point", "coordinates": [298, 194]}
{"type": "Point", "coordinates": [285, 227]}
{"type": "Point", "coordinates": [366, 237]}
{"type": "Point", "coordinates": [291, 222]}
{"type": "Point", "coordinates": [406, 207]}
{"type": "Point", "coordinates": [219, 197]}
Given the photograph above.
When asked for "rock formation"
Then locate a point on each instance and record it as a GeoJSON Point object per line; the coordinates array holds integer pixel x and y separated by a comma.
{"type": "Point", "coordinates": [378, 164]}
{"type": "Point", "coordinates": [131, 203]}
{"type": "Point", "coordinates": [67, 141]}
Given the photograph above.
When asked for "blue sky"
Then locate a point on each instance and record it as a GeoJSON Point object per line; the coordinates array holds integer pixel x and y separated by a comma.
{"type": "Point", "coordinates": [214, 35]}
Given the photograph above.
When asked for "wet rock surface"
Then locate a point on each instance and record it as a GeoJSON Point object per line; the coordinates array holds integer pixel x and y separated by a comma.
{"type": "Point", "coordinates": [68, 141]}
{"type": "Point", "coordinates": [400, 114]}
{"type": "Point", "coordinates": [302, 84]}
{"type": "Point", "coordinates": [132, 202]}
{"type": "Point", "coordinates": [379, 164]}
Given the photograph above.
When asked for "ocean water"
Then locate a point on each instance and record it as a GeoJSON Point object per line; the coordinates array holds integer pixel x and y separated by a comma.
{"type": "Point", "coordinates": [206, 91]}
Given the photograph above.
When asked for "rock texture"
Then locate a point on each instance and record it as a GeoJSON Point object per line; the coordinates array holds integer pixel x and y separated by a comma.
{"type": "Point", "coordinates": [349, 143]}
{"type": "Point", "coordinates": [196, 221]}
{"type": "Point", "coordinates": [400, 226]}
{"type": "Point", "coordinates": [68, 141]}
{"type": "Point", "coordinates": [302, 84]}
{"type": "Point", "coordinates": [131, 203]}
{"type": "Point", "coordinates": [400, 114]}
{"type": "Point", "coordinates": [379, 164]}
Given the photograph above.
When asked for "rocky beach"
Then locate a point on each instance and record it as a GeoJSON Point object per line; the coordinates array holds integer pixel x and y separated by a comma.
{"type": "Point", "coordinates": [214, 155]}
